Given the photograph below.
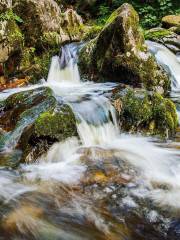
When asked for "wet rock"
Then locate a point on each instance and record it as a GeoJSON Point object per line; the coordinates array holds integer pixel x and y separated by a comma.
{"type": "Point", "coordinates": [147, 112]}
{"type": "Point", "coordinates": [32, 121]}
{"type": "Point", "coordinates": [17, 116]}
{"type": "Point", "coordinates": [171, 21]}
{"type": "Point", "coordinates": [22, 219]}
{"type": "Point", "coordinates": [10, 159]}
{"type": "Point", "coordinates": [166, 37]}
{"type": "Point", "coordinates": [18, 103]}
{"type": "Point", "coordinates": [58, 125]}
{"type": "Point", "coordinates": [119, 53]}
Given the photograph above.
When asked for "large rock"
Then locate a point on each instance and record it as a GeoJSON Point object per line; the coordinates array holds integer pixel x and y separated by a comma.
{"type": "Point", "coordinates": [44, 23]}
{"type": "Point", "coordinates": [171, 21]}
{"type": "Point", "coordinates": [31, 121]}
{"type": "Point", "coordinates": [119, 53]}
{"type": "Point", "coordinates": [142, 111]}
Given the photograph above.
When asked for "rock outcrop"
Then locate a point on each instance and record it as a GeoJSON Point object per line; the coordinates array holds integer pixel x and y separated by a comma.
{"type": "Point", "coordinates": [45, 23]}
{"type": "Point", "coordinates": [119, 53]}
{"type": "Point", "coordinates": [31, 32]}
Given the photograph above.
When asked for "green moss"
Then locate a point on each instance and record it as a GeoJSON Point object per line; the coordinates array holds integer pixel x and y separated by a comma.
{"type": "Point", "coordinates": [92, 32]}
{"type": "Point", "coordinates": [164, 114]}
{"type": "Point", "coordinates": [51, 39]}
{"type": "Point", "coordinates": [57, 125]}
{"type": "Point", "coordinates": [119, 53]}
{"type": "Point", "coordinates": [150, 113]}
{"type": "Point", "coordinates": [112, 17]}
{"type": "Point", "coordinates": [27, 98]}
{"type": "Point", "coordinates": [155, 34]}
{"type": "Point", "coordinates": [137, 109]}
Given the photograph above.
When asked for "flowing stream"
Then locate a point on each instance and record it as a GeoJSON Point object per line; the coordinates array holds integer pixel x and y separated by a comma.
{"type": "Point", "coordinates": [104, 184]}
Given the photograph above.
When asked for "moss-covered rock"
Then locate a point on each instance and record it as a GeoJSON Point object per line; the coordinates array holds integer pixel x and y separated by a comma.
{"type": "Point", "coordinates": [56, 125]}
{"type": "Point", "coordinates": [31, 121]}
{"type": "Point", "coordinates": [171, 21]}
{"type": "Point", "coordinates": [18, 103]}
{"type": "Point", "coordinates": [92, 32]}
{"type": "Point", "coordinates": [119, 53]}
{"type": "Point", "coordinates": [44, 23]}
{"type": "Point", "coordinates": [147, 112]}
{"type": "Point", "coordinates": [35, 65]}
{"type": "Point", "coordinates": [164, 36]}
{"type": "Point", "coordinates": [157, 33]}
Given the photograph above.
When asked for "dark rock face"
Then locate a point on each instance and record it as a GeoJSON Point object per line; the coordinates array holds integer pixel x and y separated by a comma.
{"type": "Point", "coordinates": [119, 53]}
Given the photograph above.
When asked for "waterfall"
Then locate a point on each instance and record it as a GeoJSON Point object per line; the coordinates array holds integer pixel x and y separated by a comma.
{"type": "Point", "coordinates": [64, 69]}
{"type": "Point", "coordinates": [75, 190]}
{"type": "Point", "coordinates": [168, 60]}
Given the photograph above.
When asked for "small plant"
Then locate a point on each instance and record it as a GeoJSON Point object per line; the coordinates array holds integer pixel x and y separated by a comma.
{"type": "Point", "coordinates": [10, 15]}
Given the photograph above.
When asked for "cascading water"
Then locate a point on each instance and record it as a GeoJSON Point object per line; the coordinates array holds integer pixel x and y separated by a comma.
{"type": "Point", "coordinates": [64, 68]}
{"type": "Point", "coordinates": [169, 62]}
{"type": "Point", "coordinates": [102, 185]}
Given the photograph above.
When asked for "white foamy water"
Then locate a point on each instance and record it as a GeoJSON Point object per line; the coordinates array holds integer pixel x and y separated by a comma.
{"type": "Point", "coordinates": [168, 60]}
{"type": "Point", "coordinates": [64, 69]}
{"type": "Point", "coordinates": [10, 187]}
{"type": "Point", "coordinates": [61, 164]}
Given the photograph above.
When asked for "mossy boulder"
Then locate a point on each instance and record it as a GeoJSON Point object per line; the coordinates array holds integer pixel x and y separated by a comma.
{"type": "Point", "coordinates": [119, 53]}
{"type": "Point", "coordinates": [31, 121]}
{"type": "Point", "coordinates": [171, 21]}
{"type": "Point", "coordinates": [147, 112]}
{"type": "Point", "coordinates": [57, 125]}
{"type": "Point", "coordinates": [35, 65]}
{"type": "Point", "coordinates": [18, 114]}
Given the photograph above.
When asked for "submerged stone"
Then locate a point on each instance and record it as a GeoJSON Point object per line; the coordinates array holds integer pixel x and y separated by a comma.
{"type": "Point", "coordinates": [119, 53]}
